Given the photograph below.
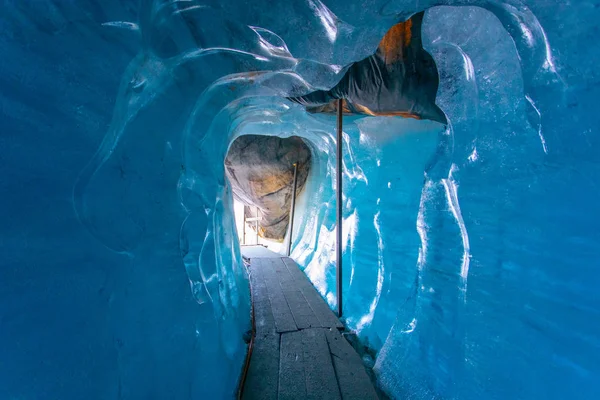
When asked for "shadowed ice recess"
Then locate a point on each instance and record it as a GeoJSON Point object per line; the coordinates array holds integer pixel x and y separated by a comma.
{"type": "Point", "coordinates": [469, 248]}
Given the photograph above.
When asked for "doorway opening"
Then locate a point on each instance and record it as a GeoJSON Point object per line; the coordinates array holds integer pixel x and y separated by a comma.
{"type": "Point", "coordinates": [261, 170]}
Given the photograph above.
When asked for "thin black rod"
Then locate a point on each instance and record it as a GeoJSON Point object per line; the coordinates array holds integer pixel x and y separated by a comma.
{"type": "Point", "coordinates": [339, 216]}
{"type": "Point", "coordinates": [289, 247]}
{"type": "Point", "coordinates": [244, 226]}
{"type": "Point", "coordinates": [256, 224]}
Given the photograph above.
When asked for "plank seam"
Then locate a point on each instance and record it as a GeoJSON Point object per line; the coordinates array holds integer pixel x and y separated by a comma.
{"type": "Point", "coordinates": [285, 298]}
{"type": "Point", "coordinates": [299, 290]}
{"type": "Point", "coordinates": [270, 291]}
{"type": "Point", "coordinates": [325, 324]}
{"type": "Point", "coordinates": [279, 371]}
{"type": "Point", "coordinates": [304, 296]}
{"type": "Point", "coordinates": [331, 355]}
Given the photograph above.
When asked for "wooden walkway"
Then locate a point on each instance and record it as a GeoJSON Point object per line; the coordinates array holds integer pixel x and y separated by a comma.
{"type": "Point", "coordinates": [298, 351]}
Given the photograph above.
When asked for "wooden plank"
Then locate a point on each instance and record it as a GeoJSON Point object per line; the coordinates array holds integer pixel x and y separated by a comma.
{"type": "Point", "coordinates": [257, 251]}
{"type": "Point", "coordinates": [291, 368]}
{"type": "Point", "coordinates": [354, 382]}
{"type": "Point", "coordinates": [303, 313]}
{"type": "Point", "coordinates": [288, 363]}
{"type": "Point", "coordinates": [263, 315]}
{"type": "Point", "coordinates": [284, 319]}
{"type": "Point", "coordinates": [281, 271]}
{"type": "Point", "coordinates": [263, 372]}
{"type": "Point", "coordinates": [319, 307]}
{"type": "Point", "coordinates": [321, 382]}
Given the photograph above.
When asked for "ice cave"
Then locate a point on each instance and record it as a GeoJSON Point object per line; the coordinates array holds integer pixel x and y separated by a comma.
{"type": "Point", "coordinates": [132, 133]}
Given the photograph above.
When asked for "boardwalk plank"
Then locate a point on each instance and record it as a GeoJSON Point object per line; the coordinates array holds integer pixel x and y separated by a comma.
{"type": "Point", "coordinates": [353, 380]}
{"type": "Point", "coordinates": [298, 351]}
{"type": "Point", "coordinates": [263, 315]}
{"type": "Point", "coordinates": [291, 369]}
{"type": "Point", "coordinates": [284, 319]}
{"type": "Point", "coordinates": [321, 382]}
{"type": "Point", "coordinates": [263, 373]}
{"type": "Point", "coordinates": [321, 310]}
{"type": "Point", "coordinates": [301, 309]}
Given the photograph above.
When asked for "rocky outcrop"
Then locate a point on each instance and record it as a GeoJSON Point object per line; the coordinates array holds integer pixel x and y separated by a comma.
{"type": "Point", "coordinates": [261, 172]}
{"type": "Point", "coordinates": [399, 79]}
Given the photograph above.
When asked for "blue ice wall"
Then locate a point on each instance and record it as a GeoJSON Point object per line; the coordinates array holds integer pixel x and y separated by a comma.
{"type": "Point", "coordinates": [95, 298]}
{"type": "Point", "coordinates": [476, 279]}
{"type": "Point", "coordinates": [469, 248]}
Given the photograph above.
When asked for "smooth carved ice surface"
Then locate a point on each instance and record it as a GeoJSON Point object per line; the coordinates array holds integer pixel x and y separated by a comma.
{"type": "Point", "coordinates": [470, 250]}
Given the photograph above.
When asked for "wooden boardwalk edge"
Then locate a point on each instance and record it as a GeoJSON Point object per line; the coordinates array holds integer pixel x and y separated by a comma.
{"type": "Point", "coordinates": [298, 349]}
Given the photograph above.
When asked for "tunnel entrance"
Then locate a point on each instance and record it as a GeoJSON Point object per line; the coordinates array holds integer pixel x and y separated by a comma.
{"type": "Point", "coordinates": [261, 172]}
{"type": "Point", "coordinates": [399, 79]}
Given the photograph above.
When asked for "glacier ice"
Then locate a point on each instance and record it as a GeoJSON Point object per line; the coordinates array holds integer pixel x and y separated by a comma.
{"type": "Point", "coordinates": [470, 248]}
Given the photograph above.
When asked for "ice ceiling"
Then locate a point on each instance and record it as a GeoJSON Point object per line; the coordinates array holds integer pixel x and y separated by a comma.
{"type": "Point", "coordinates": [471, 246]}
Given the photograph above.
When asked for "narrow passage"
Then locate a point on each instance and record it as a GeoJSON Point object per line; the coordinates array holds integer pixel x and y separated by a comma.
{"type": "Point", "coordinates": [298, 351]}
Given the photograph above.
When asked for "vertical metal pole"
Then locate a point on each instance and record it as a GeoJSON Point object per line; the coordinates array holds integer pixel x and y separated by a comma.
{"type": "Point", "coordinates": [289, 246]}
{"type": "Point", "coordinates": [339, 216]}
{"type": "Point", "coordinates": [244, 226]}
{"type": "Point", "coordinates": [257, 225]}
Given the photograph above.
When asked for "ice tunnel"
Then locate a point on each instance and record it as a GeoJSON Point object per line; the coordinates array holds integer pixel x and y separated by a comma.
{"type": "Point", "coordinates": [470, 213]}
{"type": "Point", "coordinates": [261, 172]}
